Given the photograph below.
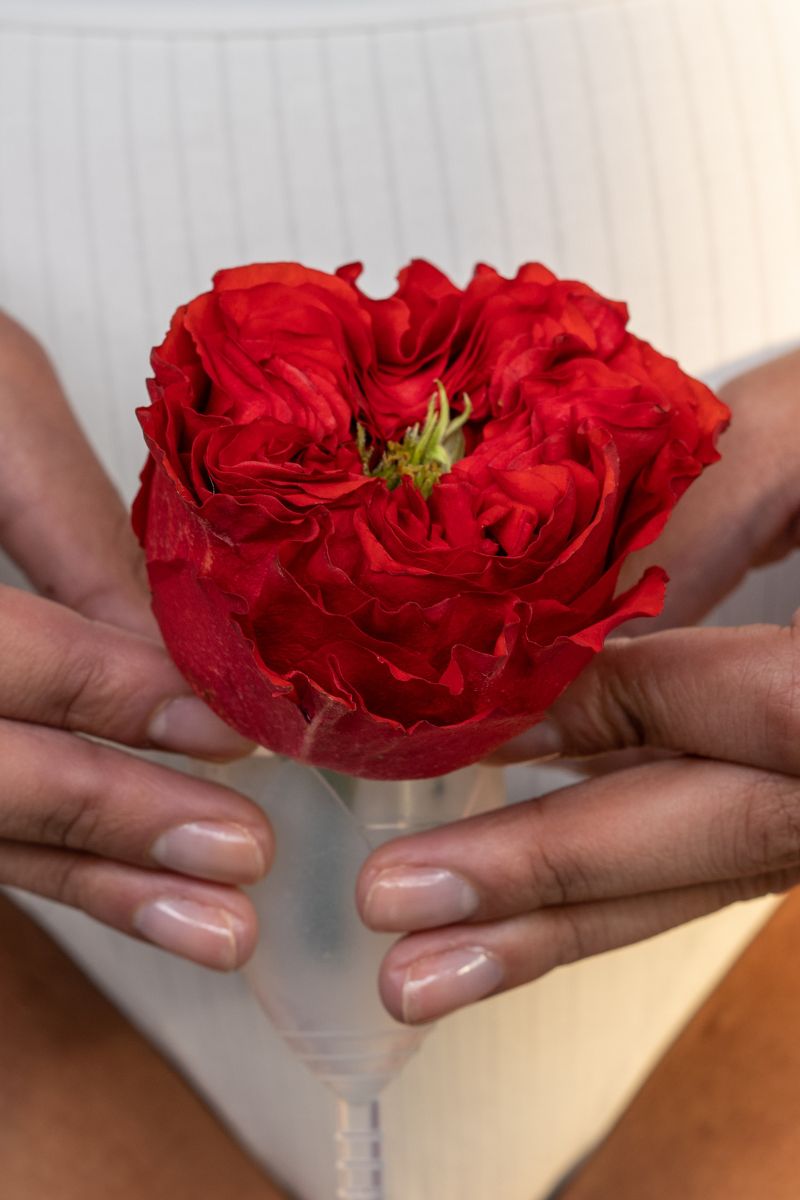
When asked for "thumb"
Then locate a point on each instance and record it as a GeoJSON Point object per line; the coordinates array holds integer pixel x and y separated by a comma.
{"type": "Point", "coordinates": [729, 694]}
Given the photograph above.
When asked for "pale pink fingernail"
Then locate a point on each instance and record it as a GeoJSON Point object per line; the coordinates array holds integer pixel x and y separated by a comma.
{"type": "Point", "coordinates": [198, 931]}
{"type": "Point", "coordinates": [211, 850]}
{"type": "Point", "coordinates": [443, 982]}
{"type": "Point", "coordinates": [403, 898]}
{"type": "Point", "coordinates": [189, 726]}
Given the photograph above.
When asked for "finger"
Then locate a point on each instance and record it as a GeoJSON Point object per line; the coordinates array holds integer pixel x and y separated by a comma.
{"type": "Point", "coordinates": [655, 828]}
{"type": "Point", "coordinates": [731, 694]}
{"type": "Point", "coordinates": [62, 519]}
{"type": "Point", "coordinates": [743, 511]}
{"type": "Point", "coordinates": [79, 795]}
{"type": "Point", "coordinates": [429, 974]}
{"type": "Point", "coordinates": [61, 669]}
{"type": "Point", "coordinates": [211, 925]}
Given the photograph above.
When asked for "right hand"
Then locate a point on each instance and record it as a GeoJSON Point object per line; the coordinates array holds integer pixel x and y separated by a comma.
{"type": "Point", "coordinates": [150, 851]}
{"type": "Point", "coordinates": [497, 900]}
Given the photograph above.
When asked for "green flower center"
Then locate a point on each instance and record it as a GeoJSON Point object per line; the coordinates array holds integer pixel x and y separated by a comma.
{"type": "Point", "coordinates": [426, 452]}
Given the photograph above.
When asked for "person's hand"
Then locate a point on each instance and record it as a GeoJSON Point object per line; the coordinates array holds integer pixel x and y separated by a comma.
{"type": "Point", "coordinates": [150, 851]}
{"type": "Point", "coordinates": [500, 899]}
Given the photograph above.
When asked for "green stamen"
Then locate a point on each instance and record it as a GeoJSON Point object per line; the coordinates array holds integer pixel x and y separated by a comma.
{"type": "Point", "coordinates": [425, 453]}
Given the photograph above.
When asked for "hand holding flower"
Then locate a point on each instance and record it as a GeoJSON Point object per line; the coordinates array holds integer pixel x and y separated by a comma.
{"type": "Point", "coordinates": [147, 850]}
{"type": "Point", "coordinates": [622, 857]}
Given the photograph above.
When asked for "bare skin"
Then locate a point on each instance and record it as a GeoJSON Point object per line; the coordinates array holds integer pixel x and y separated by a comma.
{"type": "Point", "coordinates": [88, 1110]}
{"type": "Point", "coordinates": [718, 1117]}
{"type": "Point", "coordinates": [624, 856]}
{"type": "Point", "coordinates": [151, 852]}
{"type": "Point", "coordinates": [86, 833]}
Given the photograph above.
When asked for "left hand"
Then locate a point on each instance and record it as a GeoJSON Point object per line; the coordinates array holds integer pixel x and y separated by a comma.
{"type": "Point", "coordinates": [501, 899]}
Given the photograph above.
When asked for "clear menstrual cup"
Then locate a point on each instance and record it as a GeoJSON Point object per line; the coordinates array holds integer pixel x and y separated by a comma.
{"type": "Point", "coordinates": [316, 965]}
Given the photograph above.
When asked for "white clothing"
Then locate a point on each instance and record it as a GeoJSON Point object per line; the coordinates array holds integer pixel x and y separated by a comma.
{"type": "Point", "coordinates": [650, 147]}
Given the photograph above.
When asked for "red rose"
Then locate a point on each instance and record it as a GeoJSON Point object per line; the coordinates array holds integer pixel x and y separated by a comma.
{"type": "Point", "coordinates": [354, 574]}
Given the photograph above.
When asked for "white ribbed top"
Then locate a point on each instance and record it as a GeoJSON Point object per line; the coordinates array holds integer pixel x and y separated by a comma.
{"type": "Point", "coordinates": [651, 147]}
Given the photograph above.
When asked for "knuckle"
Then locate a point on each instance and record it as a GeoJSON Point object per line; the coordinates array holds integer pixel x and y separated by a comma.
{"type": "Point", "coordinates": [769, 834]}
{"type": "Point", "coordinates": [87, 687]}
{"type": "Point", "coordinates": [569, 941]}
{"type": "Point", "coordinates": [74, 813]}
{"type": "Point", "coordinates": [551, 878]}
{"type": "Point", "coordinates": [604, 714]}
{"type": "Point", "coordinates": [72, 881]}
{"type": "Point", "coordinates": [624, 704]}
{"type": "Point", "coordinates": [72, 823]}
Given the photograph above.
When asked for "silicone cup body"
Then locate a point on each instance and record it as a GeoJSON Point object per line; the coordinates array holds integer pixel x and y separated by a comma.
{"type": "Point", "coordinates": [316, 965]}
{"type": "Point", "coordinates": [315, 968]}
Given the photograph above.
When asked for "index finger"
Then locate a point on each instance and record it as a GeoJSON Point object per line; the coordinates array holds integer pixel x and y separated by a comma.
{"type": "Point", "coordinates": [61, 519]}
{"type": "Point", "coordinates": [63, 670]}
{"type": "Point", "coordinates": [731, 694]}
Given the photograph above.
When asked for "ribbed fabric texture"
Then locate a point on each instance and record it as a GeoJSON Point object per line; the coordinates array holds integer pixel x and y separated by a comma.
{"type": "Point", "coordinates": [651, 147]}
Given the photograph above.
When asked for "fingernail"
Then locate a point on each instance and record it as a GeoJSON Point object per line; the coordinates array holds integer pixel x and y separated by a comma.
{"type": "Point", "coordinates": [206, 935]}
{"type": "Point", "coordinates": [443, 982]}
{"type": "Point", "coordinates": [189, 726]}
{"type": "Point", "coordinates": [543, 741]}
{"type": "Point", "coordinates": [212, 850]}
{"type": "Point", "coordinates": [403, 898]}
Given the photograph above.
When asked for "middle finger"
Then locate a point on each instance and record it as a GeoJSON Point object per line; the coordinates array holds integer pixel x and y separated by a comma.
{"type": "Point", "coordinates": [662, 826]}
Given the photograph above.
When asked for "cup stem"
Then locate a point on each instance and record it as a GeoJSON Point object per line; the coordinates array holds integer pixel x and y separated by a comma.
{"type": "Point", "coordinates": [359, 1156]}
